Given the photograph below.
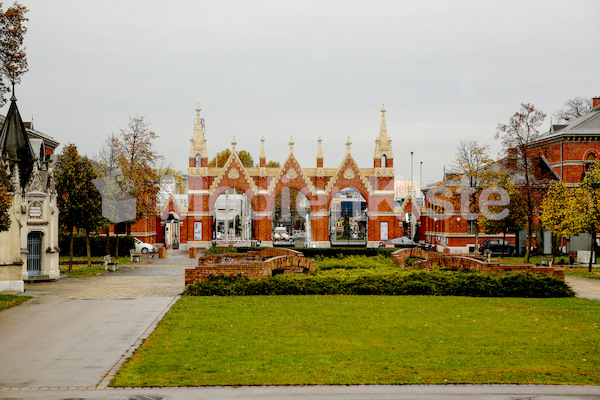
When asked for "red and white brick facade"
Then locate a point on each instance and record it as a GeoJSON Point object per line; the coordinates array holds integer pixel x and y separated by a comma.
{"type": "Point", "coordinates": [567, 149]}
{"type": "Point", "coordinates": [263, 184]}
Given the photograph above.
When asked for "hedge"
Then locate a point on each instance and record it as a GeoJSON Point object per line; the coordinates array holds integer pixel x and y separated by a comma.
{"type": "Point", "coordinates": [314, 252]}
{"type": "Point", "coordinates": [97, 245]}
{"type": "Point", "coordinates": [434, 282]}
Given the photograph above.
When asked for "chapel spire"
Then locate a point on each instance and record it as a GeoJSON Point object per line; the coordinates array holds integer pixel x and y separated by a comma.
{"type": "Point", "coordinates": [383, 145]}
{"type": "Point", "coordinates": [198, 147]}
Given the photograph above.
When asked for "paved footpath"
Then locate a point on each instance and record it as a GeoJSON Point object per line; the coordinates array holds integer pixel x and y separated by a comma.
{"type": "Point", "coordinates": [69, 341]}
{"type": "Point", "coordinates": [76, 332]}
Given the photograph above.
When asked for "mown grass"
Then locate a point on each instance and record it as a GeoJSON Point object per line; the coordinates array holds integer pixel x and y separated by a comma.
{"type": "Point", "coordinates": [343, 340]}
{"type": "Point", "coordinates": [8, 300]}
{"type": "Point", "coordinates": [583, 272]}
{"type": "Point", "coordinates": [82, 270]}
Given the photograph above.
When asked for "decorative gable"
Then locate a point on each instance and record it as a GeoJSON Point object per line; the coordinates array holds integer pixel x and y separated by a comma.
{"type": "Point", "coordinates": [349, 174]}
{"type": "Point", "coordinates": [235, 175]}
{"type": "Point", "coordinates": [292, 175]}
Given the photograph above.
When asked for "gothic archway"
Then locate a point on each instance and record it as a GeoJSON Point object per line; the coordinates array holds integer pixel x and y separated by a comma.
{"type": "Point", "coordinates": [232, 216]}
{"type": "Point", "coordinates": [348, 218]}
{"type": "Point", "coordinates": [291, 218]}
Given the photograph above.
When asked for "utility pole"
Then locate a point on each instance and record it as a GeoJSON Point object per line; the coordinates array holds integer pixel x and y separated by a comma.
{"type": "Point", "coordinates": [410, 190]}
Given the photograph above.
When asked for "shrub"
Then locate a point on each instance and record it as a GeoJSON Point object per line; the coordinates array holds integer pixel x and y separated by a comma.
{"type": "Point", "coordinates": [345, 251]}
{"type": "Point", "coordinates": [348, 282]}
{"type": "Point", "coordinates": [355, 262]}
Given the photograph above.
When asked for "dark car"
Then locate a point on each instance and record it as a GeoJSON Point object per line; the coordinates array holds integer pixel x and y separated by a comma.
{"type": "Point", "coordinates": [495, 247]}
{"type": "Point", "coordinates": [402, 242]}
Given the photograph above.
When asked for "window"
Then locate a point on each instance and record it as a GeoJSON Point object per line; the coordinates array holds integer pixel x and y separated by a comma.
{"type": "Point", "coordinates": [589, 160]}
{"type": "Point", "coordinates": [198, 160]}
{"type": "Point", "coordinates": [471, 227]}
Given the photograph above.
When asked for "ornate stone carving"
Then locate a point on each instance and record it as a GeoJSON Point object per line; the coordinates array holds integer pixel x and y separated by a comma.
{"type": "Point", "coordinates": [35, 210]}
{"type": "Point", "coordinates": [291, 174]}
{"type": "Point", "coordinates": [233, 173]}
{"type": "Point", "coordinates": [349, 174]}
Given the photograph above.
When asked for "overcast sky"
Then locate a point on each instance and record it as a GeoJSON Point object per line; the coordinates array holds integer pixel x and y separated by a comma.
{"type": "Point", "coordinates": [446, 71]}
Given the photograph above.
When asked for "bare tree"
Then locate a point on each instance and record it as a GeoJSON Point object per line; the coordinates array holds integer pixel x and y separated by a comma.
{"type": "Point", "coordinates": [574, 108]}
{"type": "Point", "coordinates": [473, 165]}
{"type": "Point", "coordinates": [517, 138]}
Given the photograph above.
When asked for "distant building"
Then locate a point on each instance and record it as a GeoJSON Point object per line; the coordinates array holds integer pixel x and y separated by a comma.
{"type": "Point", "coordinates": [564, 152]}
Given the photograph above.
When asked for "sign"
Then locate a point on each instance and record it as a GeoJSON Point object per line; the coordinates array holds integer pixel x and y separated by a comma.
{"type": "Point", "coordinates": [197, 230]}
{"type": "Point", "coordinates": [383, 231]}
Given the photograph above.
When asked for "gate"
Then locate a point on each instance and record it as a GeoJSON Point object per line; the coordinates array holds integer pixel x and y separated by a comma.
{"type": "Point", "coordinates": [34, 253]}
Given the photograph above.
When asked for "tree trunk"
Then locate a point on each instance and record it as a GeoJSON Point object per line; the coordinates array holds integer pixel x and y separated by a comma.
{"type": "Point", "coordinates": [592, 248]}
{"type": "Point", "coordinates": [476, 227]}
{"type": "Point", "coordinates": [88, 248]}
{"type": "Point", "coordinates": [529, 239]}
{"type": "Point", "coordinates": [107, 241]}
{"type": "Point", "coordinates": [117, 244]}
{"type": "Point", "coordinates": [71, 251]}
{"type": "Point", "coordinates": [503, 241]}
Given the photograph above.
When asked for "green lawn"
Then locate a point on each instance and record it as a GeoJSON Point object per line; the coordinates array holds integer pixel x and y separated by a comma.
{"type": "Point", "coordinates": [583, 272]}
{"type": "Point", "coordinates": [301, 340]}
{"type": "Point", "coordinates": [82, 270]}
{"type": "Point", "coordinates": [7, 301]}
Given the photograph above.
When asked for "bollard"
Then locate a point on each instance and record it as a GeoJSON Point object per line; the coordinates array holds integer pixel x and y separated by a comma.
{"type": "Point", "coordinates": [193, 252]}
{"type": "Point", "coordinates": [162, 252]}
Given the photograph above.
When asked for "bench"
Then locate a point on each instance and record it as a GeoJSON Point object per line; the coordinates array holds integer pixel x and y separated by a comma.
{"type": "Point", "coordinates": [108, 263]}
{"type": "Point", "coordinates": [546, 261]}
{"type": "Point", "coordinates": [134, 256]}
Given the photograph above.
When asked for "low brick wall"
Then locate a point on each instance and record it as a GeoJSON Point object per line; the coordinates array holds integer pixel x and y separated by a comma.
{"type": "Point", "coordinates": [251, 265]}
{"type": "Point", "coordinates": [463, 262]}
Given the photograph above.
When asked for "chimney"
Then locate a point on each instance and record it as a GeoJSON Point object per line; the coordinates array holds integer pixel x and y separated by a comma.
{"type": "Point", "coordinates": [596, 101]}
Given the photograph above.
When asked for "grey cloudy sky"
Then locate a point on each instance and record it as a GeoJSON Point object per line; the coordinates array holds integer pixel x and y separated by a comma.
{"type": "Point", "coordinates": [446, 71]}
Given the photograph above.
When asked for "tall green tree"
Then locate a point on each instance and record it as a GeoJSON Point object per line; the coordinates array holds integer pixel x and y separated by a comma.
{"type": "Point", "coordinates": [77, 198]}
{"type": "Point", "coordinates": [13, 59]}
{"type": "Point", "coordinates": [517, 137]}
{"type": "Point", "coordinates": [92, 202]}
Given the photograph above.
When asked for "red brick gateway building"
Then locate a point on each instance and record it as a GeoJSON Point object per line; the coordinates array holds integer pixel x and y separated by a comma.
{"type": "Point", "coordinates": [295, 199]}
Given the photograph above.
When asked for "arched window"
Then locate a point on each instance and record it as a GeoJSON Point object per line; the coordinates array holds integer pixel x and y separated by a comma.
{"type": "Point", "coordinates": [383, 161]}
{"type": "Point", "coordinates": [198, 160]}
{"type": "Point", "coordinates": [589, 160]}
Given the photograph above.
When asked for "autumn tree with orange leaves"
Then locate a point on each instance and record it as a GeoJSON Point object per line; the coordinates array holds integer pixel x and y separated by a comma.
{"type": "Point", "coordinates": [517, 137]}
{"type": "Point", "coordinates": [13, 59]}
{"type": "Point", "coordinates": [138, 159]}
{"type": "Point", "coordinates": [5, 200]}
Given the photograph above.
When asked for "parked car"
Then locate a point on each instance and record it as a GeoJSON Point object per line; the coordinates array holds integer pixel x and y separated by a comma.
{"type": "Point", "coordinates": [402, 242]}
{"type": "Point", "coordinates": [141, 247]}
{"type": "Point", "coordinates": [495, 247]}
{"type": "Point", "coordinates": [281, 233]}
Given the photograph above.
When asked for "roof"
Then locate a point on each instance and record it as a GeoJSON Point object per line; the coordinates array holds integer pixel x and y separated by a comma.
{"type": "Point", "coordinates": [14, 143]}
{"type": "Point", "coordinates": [588, 124]}
{"type": "Point", "coordinates": [49, 141]}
